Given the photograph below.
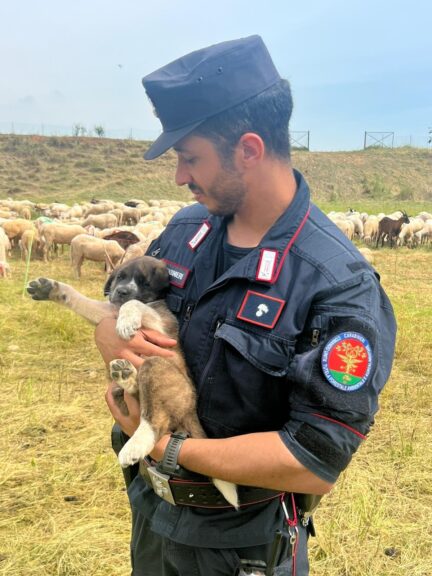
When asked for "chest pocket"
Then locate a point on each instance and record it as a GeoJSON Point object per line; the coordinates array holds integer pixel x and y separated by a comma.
{"type": "Point", "coordinates": [266, 352]}
{"type": "Point", "coordinates": [244, 386]}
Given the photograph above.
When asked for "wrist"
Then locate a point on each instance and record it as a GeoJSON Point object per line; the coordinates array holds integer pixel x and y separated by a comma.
{"type": "Point", "coordinates": [169, 463]}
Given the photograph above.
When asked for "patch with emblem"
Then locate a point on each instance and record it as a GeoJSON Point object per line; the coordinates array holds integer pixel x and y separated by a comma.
{"type": "Point", "coordinates": [177, 274]}
{"type": "Point", "coordinates": [196, 240]}
{"type": "Point", "coordinates": [260, 309]}
{"type": "Point", "coordinates": [266, 265]}
{"type": "Point", "coordinates": [347, 361]}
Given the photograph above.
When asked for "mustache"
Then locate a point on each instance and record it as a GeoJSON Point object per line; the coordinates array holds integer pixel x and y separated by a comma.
{"type": "Point", "coordinates": [194, 188]}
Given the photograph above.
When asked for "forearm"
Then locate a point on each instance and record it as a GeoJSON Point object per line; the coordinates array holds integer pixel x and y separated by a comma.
{"type": "Point", "coordinates": [259, 459]}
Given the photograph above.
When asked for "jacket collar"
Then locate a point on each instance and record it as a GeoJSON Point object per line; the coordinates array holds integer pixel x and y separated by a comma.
{"type": "Point", "coordinates": [278, 239]}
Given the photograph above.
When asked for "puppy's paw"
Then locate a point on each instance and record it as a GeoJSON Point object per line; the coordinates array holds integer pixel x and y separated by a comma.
{"type": "Point", "coordinates": [137, 447]}
{"type": "Point", "coordinates": [124, 374]}
{"type": "Point", "coordinates": [41, 288]}
{"type": "Point", "coordinates": [128, 324]}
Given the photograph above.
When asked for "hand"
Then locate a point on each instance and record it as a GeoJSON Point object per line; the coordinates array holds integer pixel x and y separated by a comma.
{"type": "Point", "coordinates": [144, 343]}
{"type": "Point", "coordinates": [127, 423]}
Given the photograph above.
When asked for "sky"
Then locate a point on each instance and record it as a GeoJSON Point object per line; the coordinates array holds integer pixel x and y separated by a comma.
{"type": "Point", "coordinates": [354, 66]}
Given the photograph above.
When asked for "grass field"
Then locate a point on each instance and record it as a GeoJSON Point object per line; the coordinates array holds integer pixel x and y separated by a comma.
{"type": "Point", "coordinates": [63, 507]}
{"type": "Point", "coordinates": [70, 170]}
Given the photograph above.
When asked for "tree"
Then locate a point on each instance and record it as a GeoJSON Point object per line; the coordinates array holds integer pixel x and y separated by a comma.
{"type": "Point", "coordinates": [99, 130]}
{"type": "Point", "coordinates": [79, 130]}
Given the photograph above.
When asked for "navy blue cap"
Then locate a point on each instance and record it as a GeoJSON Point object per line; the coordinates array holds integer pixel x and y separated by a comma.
{"type": "Point", "coordinates": [195, 87]}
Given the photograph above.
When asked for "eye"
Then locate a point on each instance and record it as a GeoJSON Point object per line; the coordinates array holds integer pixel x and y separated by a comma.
{"type": "Point", "coordinates": [189, 160]}
{"type": "Point", "coordinates": [142, 281]}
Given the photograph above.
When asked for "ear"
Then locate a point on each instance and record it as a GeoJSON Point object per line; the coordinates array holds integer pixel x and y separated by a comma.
{"type": "Point", "coordinates": [251, 149]}
{"type": "Point", "coordinates": [160, 277]}
{"type": "Point", "coordinates": [108, 283]}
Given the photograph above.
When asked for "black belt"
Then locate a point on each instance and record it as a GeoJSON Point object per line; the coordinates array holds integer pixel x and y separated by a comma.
{"type": "Point", "coordinates": [190, 489]}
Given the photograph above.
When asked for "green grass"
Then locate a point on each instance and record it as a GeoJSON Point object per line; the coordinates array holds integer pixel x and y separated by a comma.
{"type": "Point", "coordinates": [63, 507]}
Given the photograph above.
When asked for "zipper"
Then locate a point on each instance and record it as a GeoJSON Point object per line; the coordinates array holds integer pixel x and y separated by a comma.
{"type": "Point", "coordinates": [214, 351]}
{"type": "Point", "coordinates": [315, 337]}
{"type": "Point", "coordinates": [186, 318]}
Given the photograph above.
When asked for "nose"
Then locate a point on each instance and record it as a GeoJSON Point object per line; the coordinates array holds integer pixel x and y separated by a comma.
{"type": "Point", "coordinates": [182, 176]}
{"type": "Point", "coordinates": [123, 290]}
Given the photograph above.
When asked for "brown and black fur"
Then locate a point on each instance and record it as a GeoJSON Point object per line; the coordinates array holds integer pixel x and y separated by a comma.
{"type": "Point", "coordinates": [165, 391]}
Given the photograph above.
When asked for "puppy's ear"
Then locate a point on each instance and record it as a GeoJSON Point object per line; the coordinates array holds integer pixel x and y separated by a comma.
{"type": "Point", "coordinates": [160, 278]}
{"type": "Point", "coordinates": [108, 283]}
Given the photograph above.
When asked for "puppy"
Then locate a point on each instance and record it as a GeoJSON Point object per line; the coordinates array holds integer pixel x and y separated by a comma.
{"type": "Point", "coordinates": [165, 391]}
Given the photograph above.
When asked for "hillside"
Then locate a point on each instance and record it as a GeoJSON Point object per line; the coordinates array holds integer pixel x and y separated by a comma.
{"type": "Point", "coordinates": [70, 169]}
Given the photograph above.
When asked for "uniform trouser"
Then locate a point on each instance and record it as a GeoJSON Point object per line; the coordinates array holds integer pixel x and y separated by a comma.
{"type": "Point", "coordinates": [154, 555]}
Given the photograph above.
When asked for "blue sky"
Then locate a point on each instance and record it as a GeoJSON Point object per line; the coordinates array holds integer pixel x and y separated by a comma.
{"type": "Point", "coordinates": [353, 65]}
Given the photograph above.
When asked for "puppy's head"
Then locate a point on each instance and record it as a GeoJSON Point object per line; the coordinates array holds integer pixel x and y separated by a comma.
{"type": "Point", "coordinates": [145, 279]}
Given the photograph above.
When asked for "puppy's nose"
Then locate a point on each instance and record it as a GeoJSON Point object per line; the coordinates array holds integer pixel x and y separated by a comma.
{"type": "Point", "coordinates": [123, 290]}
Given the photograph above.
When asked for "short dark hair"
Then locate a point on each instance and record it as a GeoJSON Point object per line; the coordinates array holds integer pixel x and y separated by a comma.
{"type": "Point", "coordinates": [266, 114]}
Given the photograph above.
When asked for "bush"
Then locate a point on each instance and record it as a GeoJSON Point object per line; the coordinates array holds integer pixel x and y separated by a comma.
{"type": "Point", "coordinates": [374, 187]}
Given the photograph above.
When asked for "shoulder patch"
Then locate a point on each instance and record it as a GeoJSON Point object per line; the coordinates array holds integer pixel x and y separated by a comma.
{"type": "Point", "coordinates": [347, 361]}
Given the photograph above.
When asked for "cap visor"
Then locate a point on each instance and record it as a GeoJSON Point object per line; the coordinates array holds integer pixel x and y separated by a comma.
{"type": "Point", "coordinates": [167, 140]}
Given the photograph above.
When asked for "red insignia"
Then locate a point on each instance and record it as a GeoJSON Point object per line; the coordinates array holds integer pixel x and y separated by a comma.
{"type": "Point", "coordinates": [347, 361]}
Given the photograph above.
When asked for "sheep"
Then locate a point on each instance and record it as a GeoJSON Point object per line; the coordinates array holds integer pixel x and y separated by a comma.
{"type": "Point", "coordinates": [370, 229]}
{"type": "Point", "coordinates": [146, 228]}
{"type": "Point", "coordinates": [407, 233]}
{"type": "Point", "coordinates": [346, 226]}
{"type": "Point", "coordinates": [15, 228]}
{"type": "Point", "coordinates": [100, 208]}
{"type": "Point", "coordinates": [358, 224]}
{"type": "Point", "coordinates": [76, 211]}
{"type": "Point", "coordinates": [101, 220]}
{"type": "Point", "coordinates": [425, 216]}
{"type": "Point", "coordinates": [131, 215]}
{"type": "Point", "coordinates": [57, 210]}
{"type": "Point", "coordinates": [88, 247]}
{"type": "Point", "coordinates": [54, 234]}
{"type": "Point", "coordinates": [140, 248]}
{"type": "Point", "coordinates": [30, 241]}
{"type": "Point", "coordinates": [5, 248]}
{"type": "Point", "coordinates": [424, 235]}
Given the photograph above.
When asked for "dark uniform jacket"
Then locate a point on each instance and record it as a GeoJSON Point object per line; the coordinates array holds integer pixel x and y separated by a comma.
{"type": "Point", "coordinates": [298, 336]}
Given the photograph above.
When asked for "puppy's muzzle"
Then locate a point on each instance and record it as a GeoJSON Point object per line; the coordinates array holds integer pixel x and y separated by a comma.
{"type": "Point", "coordinates": [123, 294]}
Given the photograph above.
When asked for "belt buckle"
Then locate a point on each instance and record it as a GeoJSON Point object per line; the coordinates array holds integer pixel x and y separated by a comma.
{"type": "Point", "coordinates": [160, 483]}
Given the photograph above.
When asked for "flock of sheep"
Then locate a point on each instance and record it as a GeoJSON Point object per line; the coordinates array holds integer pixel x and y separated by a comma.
{"type": "Point", "coordinates": [113, 232]}
{"type": "Point", "coordinates": [371, 228]}
{"type": "Point", "coordinates": [103, 231]}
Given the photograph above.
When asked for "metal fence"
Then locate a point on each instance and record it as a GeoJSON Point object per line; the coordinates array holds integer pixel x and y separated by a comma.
{"type": "Point", "coordinates": [300, 140]}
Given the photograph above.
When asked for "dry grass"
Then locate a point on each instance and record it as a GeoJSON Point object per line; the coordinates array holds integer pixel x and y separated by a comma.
{"type": "Point", "coordinates": [60, 169]}
{"type": "Point", "coordinates": [63, 507]}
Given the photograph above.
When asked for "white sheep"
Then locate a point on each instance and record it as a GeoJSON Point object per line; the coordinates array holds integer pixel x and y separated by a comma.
{"type": "Point", "coordinates": [86, 247]}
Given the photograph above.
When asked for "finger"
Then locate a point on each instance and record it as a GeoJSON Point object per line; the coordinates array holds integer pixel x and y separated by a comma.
{"type": "Point", "coordinates": [112, 404]}
{"type": "Point", "coordinates": [133, 405]}
{"type": "Point", "coordinates": [150, 349]}
{"type": "Point", "coordinates": [132, 356]}
{"type": "Point", "coordinates": [158, 338]}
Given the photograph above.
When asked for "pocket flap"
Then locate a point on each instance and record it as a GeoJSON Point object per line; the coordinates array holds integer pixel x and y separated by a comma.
{"type": "Point", "coordinates": [268, 353]}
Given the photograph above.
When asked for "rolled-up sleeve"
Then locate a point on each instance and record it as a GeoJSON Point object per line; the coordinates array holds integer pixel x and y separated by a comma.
{"type": "Point", "coordinates": [337, 374]}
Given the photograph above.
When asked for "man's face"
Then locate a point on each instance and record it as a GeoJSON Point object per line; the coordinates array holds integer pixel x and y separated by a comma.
{"type": "Point", "coordinates": [215, 183]}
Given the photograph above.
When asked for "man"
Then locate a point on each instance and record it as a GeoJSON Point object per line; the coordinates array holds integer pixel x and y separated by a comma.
{"type": "Point", "coordinates": [287, 333]}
